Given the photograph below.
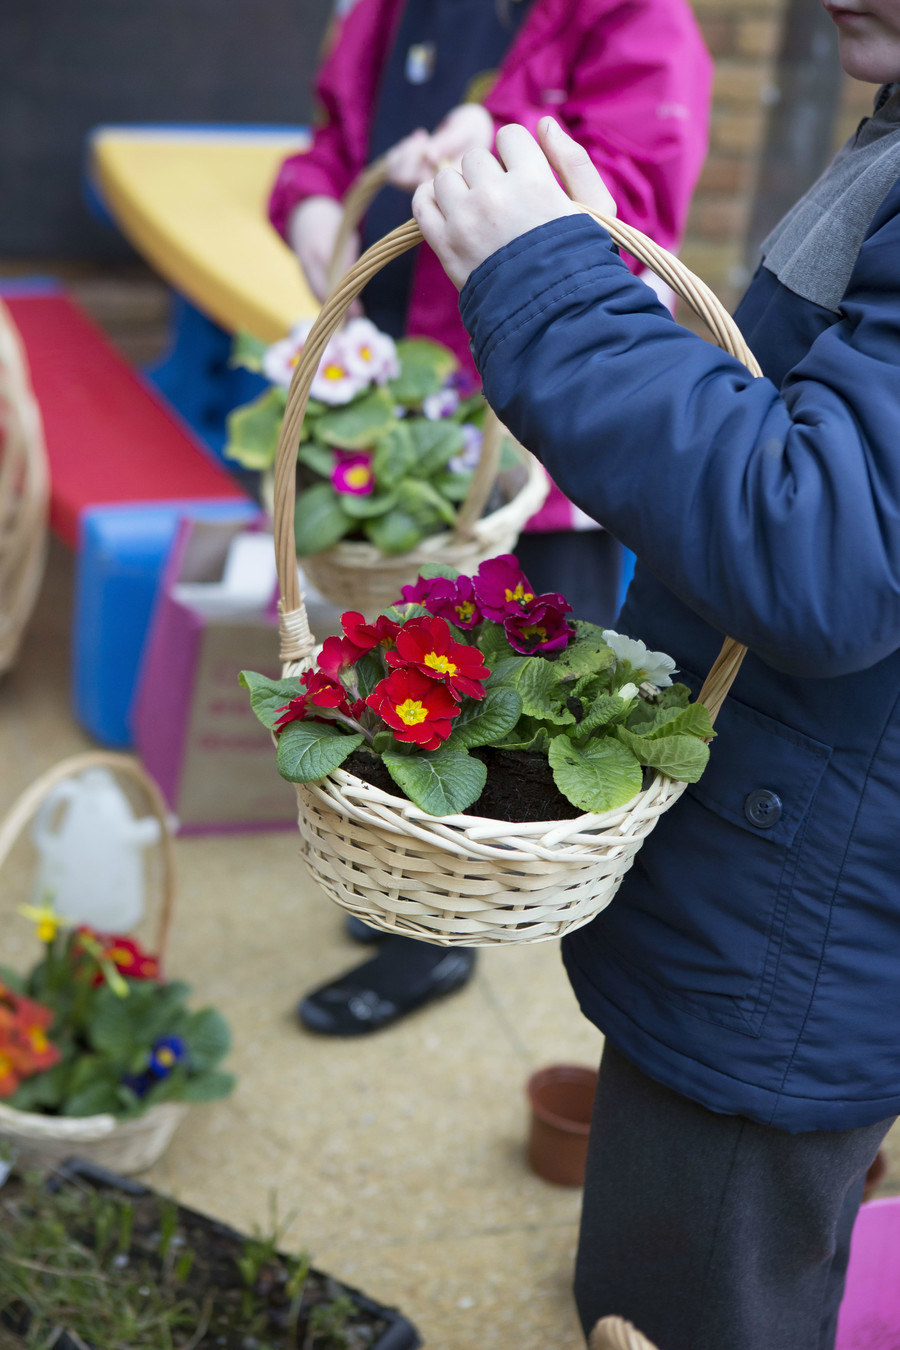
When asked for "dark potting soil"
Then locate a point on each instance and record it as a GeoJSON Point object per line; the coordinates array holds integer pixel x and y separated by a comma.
{"type": "Point", "coordinates": [519, 785]}
{"type": "Point", "coordinates": [230, 1315]}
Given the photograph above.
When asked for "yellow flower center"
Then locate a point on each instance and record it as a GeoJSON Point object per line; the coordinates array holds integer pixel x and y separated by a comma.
{"type": "Point", "coordinates": [519, 594]}
{"type": "Point", "coordinates": [411, 712]}
{"type": "Point", "coordinates": [358, 476]}
{"type": "Point", "coordinates": [121, 956]}
{"type": "Point", "coordinates": [6, 1065]}
{"type": "Point", "coordinates": [366, 353]}
{"type": "Point", "coordinates": [165, 1056]}
{"type": "Point", "coordinates": [465, 610]}
{"type": "Point", "coordinates": [46, 930]}
{"type": "Point", "coordinates": [442, 664]}
{"type": "Point", "coordinates": [334, 372]}
{"type": "Point", "coordinates": [531, 629]}
{"type": "Point", "coordinates": [38, 1039]}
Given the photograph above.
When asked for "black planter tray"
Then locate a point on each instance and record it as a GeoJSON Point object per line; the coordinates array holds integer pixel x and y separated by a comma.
{"type": "Point", "coordinates": [389, 1329]}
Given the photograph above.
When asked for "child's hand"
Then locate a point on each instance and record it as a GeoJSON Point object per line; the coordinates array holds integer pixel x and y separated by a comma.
{"type": "Point", "coordinates": [312, 232]}
{"type": "Point", "coordinates": [468, 127]}
{"type": "Point", "coordinates": [408, 162]}
{"type": "Point", "coordinates": [467, 216]}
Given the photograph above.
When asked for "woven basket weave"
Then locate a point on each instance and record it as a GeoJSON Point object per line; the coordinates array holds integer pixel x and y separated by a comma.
{"type": "Point", "coordinates": [464, 879]}
{"type": "Point", "coordinates": [24, 493]}
{"type": "Point", "coordinates": [357, 575]}
{"type": "Point", "coordinates": [124, 1146]}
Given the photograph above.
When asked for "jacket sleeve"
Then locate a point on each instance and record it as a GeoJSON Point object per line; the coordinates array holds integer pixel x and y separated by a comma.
{"type": "Point", "coordinates": [773, 514]}
{"type": "Point", "coordinates": [637, 92]}
{"type": "Point", "coordinates": [346, 87]}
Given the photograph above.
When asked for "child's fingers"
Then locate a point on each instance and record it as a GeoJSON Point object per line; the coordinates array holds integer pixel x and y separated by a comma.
{"type": "Point", "coordinates": [450, 188]}
{"type": "Point", "coordinates": [518, 151]}
{"type": "Point", "coordinates": [428, 215]}
{"type": "Point", "coordinates": [573, 165]}
{"type": "Point", "coordinates": [479, 167]}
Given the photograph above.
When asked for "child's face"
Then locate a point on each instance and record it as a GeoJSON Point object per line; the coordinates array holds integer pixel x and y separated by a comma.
{"type": "Point", "coordinates": [868, 38]}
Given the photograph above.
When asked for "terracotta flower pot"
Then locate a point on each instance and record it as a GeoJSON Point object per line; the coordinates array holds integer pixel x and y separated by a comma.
{"type": "Point", "coordinates": [562, 1099]}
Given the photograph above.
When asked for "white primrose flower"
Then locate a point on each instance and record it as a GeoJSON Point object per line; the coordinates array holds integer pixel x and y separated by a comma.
{"type": "Point", "coordinates": [335, 380]}
{"type": "Point", "coordinates": [369, 353]}
{"type": "Point", "coordinates": [655, 667]}
{"type": "Point", "coordinates": [280, 360]}
{"type": "Point", "coordinates": [467, 459]}
{"type": "Point", "coordinates": [627, 692]}
{"type": "Point", "coordinates": [443, 403]}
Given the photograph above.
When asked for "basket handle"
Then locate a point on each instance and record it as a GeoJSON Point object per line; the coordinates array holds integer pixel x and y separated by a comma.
{"type": "Point", "coordinates": [27, 805]}
{"type": "Point", "coordinates": [356, 202]}
{"type": "Point", "coordinates": [297, 643]}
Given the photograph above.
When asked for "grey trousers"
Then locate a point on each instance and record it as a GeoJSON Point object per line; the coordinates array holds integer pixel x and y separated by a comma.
{"type": "Point", "coordinates": [711, 1232]}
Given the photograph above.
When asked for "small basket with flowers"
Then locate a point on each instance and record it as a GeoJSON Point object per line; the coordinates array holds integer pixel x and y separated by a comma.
{"type": "Point", "coordinates": [431, 870]}
{"type": "Point", "coordinates": [100, 1054]}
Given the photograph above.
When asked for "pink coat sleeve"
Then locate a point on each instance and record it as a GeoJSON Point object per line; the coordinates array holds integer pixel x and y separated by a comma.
{"type": "Point", "coordinates": [631, 81]}
{"type": "Point", "coordinates": [346, 87]}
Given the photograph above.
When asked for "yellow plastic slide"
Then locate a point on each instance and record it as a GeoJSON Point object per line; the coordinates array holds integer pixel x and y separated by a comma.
{"type": "Point", "coordinates": [192, 200]}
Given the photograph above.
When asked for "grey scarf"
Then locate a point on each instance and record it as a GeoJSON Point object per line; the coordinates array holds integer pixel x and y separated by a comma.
{"type": "Point", "coordinates": [813, 249]}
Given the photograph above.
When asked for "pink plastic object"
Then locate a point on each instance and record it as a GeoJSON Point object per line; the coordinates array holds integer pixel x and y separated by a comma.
{"type": "Point", "coordinates": [870, 1313]}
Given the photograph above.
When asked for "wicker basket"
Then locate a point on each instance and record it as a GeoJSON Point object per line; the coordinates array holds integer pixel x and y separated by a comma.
{"type": "Point", "coordinates": [24, 494]}
{"type": "Point", "coordinates": [124, 1146]}
{"type": "Point", "coordinates": [463, 879]}
{"type": "Point", "coordinates": [357, 575]}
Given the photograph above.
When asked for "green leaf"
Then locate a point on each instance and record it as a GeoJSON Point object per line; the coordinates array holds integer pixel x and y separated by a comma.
{"type": "Point", "coordinates": [599, 776]}
{"type": "Point", "coordinates": [424, 366]}
{"type": "Point", "coordinates": [681, 757]}
{"type": "Point", "coordinates": [97, 1096]}
{"type": "Point", "coordinates": [268, 696]}
{"type": "Point", "coordinates": [454, 486]}
{"type": "Point", "coordinates": [367, 507]}
{"type": "Point", "coordinates": [424, 503]}
{"type": "Point", "coordinates": [394, 456]}
{"type": "Point", "coordinates": [541, 692]}
{"type": "Point", "coordinates": [207, 1087]}
{"type": "Point", "coordinates": [359, 424]}
{"type": "Point", "coordinates": [530, 735]}
{"type": "Point", "coordinates": [252, 430]}
{"type": "Point", "coordinates": [310, 750]}
{"type": "Point", "coordinates": [443, 782]}
{"type": "Point", "coordinates": [44, 1091]}
{"type": "Point", "coordinates": [247, 351]}
{"type": "Point", "coordinates": [12, 979]}
{"type": "Point", "coordinates": [693, 720]}
{"type": "Point", "coordinates": [438, 569]}
{"type": "Point", "coordinates": [674, 696]}
{"type": "Point", "coordinates": [600, 713]}
{"type": "Point", "coordinates": [488, 721]}
{"type": "Point", "coordinates": [434, 444]}
{"type": "Point", "coordinates": [397, 532]}
{"type": "Point", "coordinates": [493, 643]}
{"type": "Point", "coordinates": [317, 457]}
{"type": "Point", "coordinates": [584, 656]}
{"type": "Point", "coordinates": [319, 520]}
{"type": "Point", "coordinates": [208, 1039]}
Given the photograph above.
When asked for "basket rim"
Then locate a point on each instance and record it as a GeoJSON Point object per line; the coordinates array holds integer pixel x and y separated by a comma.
{"type": "Point", "coordinates": [86, 1129]}
{"type": "Point", "coordinates": [486, 834]}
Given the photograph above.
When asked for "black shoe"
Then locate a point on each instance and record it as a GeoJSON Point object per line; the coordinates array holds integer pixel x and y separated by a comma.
{"type": "Point", "coordinates": [363, 932]}
{"type": "Point", "coordinates": [405, 975]}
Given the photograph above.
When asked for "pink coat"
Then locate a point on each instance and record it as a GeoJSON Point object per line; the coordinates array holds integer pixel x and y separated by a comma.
{"type": "Point", "coordinates": [629, 79]}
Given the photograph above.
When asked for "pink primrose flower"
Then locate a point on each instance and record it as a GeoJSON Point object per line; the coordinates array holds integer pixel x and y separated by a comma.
{"type": "Point", "coordinates": [370, 354]}
{"type": "Point", "coordinates": [541, 627]}
{"type": "Point", "coordinates": [502, 588]}
{"type": "Point", "coordinates": [352, 473]}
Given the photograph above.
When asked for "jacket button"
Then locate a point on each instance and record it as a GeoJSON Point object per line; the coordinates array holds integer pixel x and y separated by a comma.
{"type": "Point", "coordinates": [763, 808]}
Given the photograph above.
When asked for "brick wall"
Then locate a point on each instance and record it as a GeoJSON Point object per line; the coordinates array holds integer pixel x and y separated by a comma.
{"type": "Point", "coordinates": [744, 39]}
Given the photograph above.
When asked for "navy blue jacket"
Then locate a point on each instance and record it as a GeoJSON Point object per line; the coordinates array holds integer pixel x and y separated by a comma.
{"type": "Point", "coordinates": [751, 960]}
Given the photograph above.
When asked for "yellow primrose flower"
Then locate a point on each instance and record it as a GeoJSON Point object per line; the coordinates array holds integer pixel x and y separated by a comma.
{"type": "Point", "coordinates": [47, 920]}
